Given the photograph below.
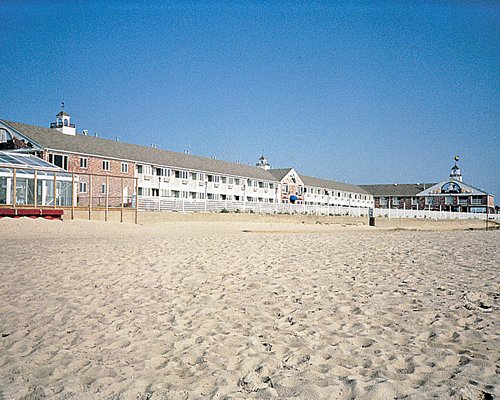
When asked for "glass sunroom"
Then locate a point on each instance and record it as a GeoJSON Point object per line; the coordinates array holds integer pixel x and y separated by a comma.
{"type": "Point", "coordinates": [36, 182]}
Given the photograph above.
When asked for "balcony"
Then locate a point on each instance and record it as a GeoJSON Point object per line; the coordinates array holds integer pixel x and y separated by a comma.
{"type": "Point", "coordinates": [54, 125]}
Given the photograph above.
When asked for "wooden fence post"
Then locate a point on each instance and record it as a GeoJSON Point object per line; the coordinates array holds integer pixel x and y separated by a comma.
{"type": "Point", "coordinates": [14, 187]}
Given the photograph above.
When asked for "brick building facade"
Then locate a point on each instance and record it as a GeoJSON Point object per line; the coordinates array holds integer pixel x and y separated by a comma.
{"type": "Point", "coordinates": [112, 180]}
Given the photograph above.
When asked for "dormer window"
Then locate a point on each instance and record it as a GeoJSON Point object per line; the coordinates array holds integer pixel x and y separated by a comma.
{"type": "Point", "coordinates": [4, 136]}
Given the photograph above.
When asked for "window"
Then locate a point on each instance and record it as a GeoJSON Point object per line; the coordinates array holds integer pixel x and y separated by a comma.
{"type": "Point", "coordinates": [181, 174]}
{"type": "Point", "coordinates": [261, 184]}
{"type": "Point", "coordinates": [165, 193]}
{"type": "Point", "coordinates": [271, 185]}
{"type": "Point", "coordinates": [285, 188]}
{"type": "Point", "coordinates": [429, 201]}
{"type": "Point", "coordinates": [103, 188]}
{"type": "Point", "coordinates": [230, 181]}
{"type": "Point", "coordinates": [105, 165]}
{"type": "Point", "coordinates": [124, 168]}
{"type": "Point", "coordinates": [476, 200]}
{"type": "Point", "coordinates": [163, 172]}
{"type": "Point", "coordinates": [383, 201]}
{"type": "Point", "coordinates": [449, 200]}
{"type": "Point", "coordinates": [213, 178]}
{"type": "Point", "coordinates": [84, 162]}
{"type": "Point", "coordinates": [414, 201]}
{"type": "Point", "coordinates": [395, 201]}
{"type": "Point", "coordinates": [139, 169]}
{"type": "Point", "coordinates": [237, 181]}
{"type": "Point", "coordinates": [59, 160]}
{"type": "Point", "coordinates": [83, 187]}
{"type": "Point", "coordinates": [4, 136]}
{"type": "Point", "coordinates": [224, 179]}
{"type": "Point", "coordinates": [194, 177]}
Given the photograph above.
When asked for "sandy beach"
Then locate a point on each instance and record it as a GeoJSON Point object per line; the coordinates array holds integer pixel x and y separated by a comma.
{"type": "Point", "coordinates": [216, 309]}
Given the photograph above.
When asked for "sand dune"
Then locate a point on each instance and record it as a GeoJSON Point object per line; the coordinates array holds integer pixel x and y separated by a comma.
{"type": "Point", "coordinates": [195, 310]}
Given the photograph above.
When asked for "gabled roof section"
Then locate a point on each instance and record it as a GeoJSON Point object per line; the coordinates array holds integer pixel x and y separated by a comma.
{"type": "Point", "coordinates": [279, 173]}
{"type": "Point", "coordinates": [90, 145]}
{"type": "Point", "coordinates": [396, 189]}
{"type": "Point", "coordinates": [330, 184]}
{"type": "Point", "coordinates": [440, 189]}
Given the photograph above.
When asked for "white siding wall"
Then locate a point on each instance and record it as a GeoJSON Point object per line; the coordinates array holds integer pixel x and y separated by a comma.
{"type": "Point", "coordinates": [196, 184]}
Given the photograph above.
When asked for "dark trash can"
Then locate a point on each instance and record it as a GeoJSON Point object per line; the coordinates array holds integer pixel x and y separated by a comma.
{"type": "Point", "coordinates": [372, 221]}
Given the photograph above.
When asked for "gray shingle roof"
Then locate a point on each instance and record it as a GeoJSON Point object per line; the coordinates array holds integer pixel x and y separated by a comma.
{"type": "Point", "coordinates": [330, 184]}
{"type": "Point", "coordinates": [82, 144]}
{"type": "Point", "coordinates": [397, 189]}
{"type": "Point", "coordinates": [279, 173]}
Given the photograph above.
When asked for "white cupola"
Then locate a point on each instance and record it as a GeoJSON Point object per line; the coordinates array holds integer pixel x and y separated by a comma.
{"type": "Point", "coordinates": [263, 163]}
{"type": "Point", "coordinates": [63, 123]}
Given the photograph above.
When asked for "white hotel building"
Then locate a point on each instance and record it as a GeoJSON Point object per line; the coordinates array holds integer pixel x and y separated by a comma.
{"type": "Point", "coordinates": [163, 174]}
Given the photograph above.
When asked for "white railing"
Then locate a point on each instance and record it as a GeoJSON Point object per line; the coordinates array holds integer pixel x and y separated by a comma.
{"type": "Point", "coordinates": [398, 213]}
{"type": "Point", "coordinates": [147, 203]}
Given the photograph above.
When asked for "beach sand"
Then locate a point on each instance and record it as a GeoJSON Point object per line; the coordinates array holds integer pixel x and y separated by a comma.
{"type": "Point", "coordinates": [214, 309]}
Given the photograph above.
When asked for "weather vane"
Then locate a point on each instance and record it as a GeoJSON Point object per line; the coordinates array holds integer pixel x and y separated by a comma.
{"type": "Point", "coordinates": [62, 105]}
{"type": "Point", "coordinates": [455, 158]}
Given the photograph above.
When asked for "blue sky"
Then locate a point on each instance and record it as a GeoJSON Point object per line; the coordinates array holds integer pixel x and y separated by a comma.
{"type": "Point", "coordinates": [357, 91]}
